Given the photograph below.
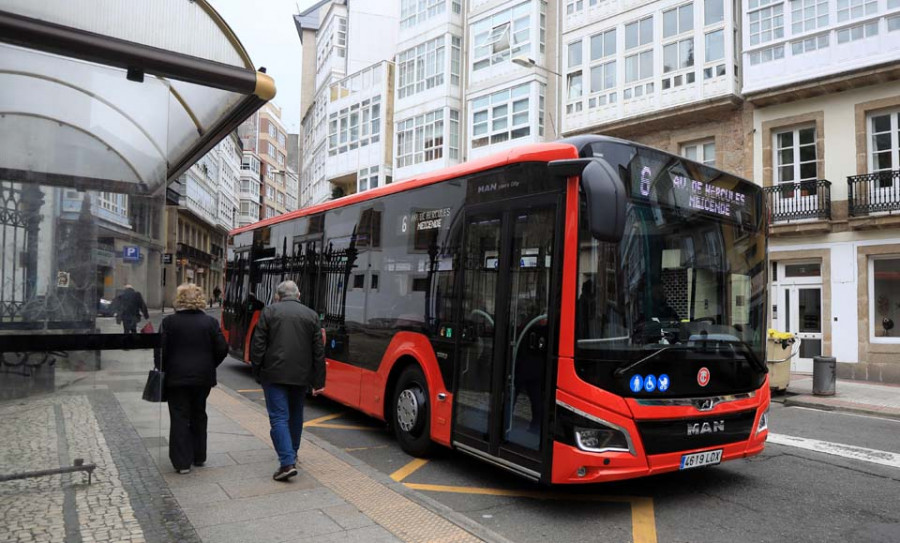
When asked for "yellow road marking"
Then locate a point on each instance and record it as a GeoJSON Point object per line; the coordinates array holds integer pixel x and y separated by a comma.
{"type": "Point", "coordinates": [250, 390]}
{"type": "Point", "coordinates": [315, 422]}
{"type": "Point", "coordinates": [354, 449]}
{"type": "Point", "coordinates": [643, 520]}
{"type": "Point", "coordinates": [344, 426]}
{"type": "Point", "coordinates": [408, 469]}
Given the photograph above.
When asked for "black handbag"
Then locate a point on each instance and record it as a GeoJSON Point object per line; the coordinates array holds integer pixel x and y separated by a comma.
{"type": "Point", "coordinates": [154, 390]}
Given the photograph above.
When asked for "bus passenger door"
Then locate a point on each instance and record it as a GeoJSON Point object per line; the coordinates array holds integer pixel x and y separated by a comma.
{"type": "Point", "coordinates": [504, 343]}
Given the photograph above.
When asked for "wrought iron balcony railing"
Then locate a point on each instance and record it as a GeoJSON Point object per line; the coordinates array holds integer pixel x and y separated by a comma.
{"type": "Point", "coordinates": [873, 192]}
{"type": "Point", "coordinates": [803, 200]}
{"type": "Point", "coordinates": [186, 251]}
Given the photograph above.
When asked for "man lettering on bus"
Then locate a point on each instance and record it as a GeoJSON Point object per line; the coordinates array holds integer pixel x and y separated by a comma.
{"type": "Point", "coordinates": [288, 359]}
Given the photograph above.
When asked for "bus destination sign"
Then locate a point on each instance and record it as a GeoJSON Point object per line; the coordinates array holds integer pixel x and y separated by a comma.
{"type": "Point", "coordinates": [686, 192]}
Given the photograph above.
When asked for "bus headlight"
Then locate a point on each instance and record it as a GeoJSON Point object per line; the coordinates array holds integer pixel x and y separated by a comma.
{"type": "Point", "coordinates": [763, 422]}
{"type": "Point", "coordinates": [590, 433]}
{"type": "Point", "coordinates": [600, 439]}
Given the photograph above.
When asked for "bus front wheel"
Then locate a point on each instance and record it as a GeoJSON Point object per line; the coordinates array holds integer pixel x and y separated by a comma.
{"type": "Point", "coordinates": [411, 413]}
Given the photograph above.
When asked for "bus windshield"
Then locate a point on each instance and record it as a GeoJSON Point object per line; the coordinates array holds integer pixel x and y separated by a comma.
{"type": "Point", "coordinates": [687, 276]}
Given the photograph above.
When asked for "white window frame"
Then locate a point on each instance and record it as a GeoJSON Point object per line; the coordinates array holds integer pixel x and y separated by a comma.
{"type": "Point", "coordinates": [503, 35]}
{"type": "Point", "coordinates": [857, 32]}
{"type": "Point", "coordinates": [874, 318]}
{"type": "Point", "coordinates": [802, 22]}
{"type": "Point", "coordinates": [894, 149]}
{"type": "Point", "coordinates": [644, 32]}
{"type": "Point", "coordinates": [413, 12]}
{"type": "Point", "coordinates": [355, 126]}
{"type": "Point", "coordinates": [573, 6]}
{"type": "Point", "coordinates": [848, 10]}
{"type": "Point", "coordinates": [796, 161]}
{"type": "Point", "coordinates": [701, 151]}
{"type": "Point", "coordinates": [810, 44]}
{"type": "Point", "coordinates": [706, 4]}
{"type": "Point", "coordinates": [760, 32]}
{"type": "Point", "coordinates": [678, 46]}
{"type": "Point", "coordinates": [421, 67]}
{"type": "Point", "coordinates": [507, 116]}
{"type": "Point", "coordinates": [684, 20]}
{"type": "Point", "coordinates": [421, 138]}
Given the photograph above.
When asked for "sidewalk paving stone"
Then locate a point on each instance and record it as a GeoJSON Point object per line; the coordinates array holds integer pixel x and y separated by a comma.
{"type": "Point", "coordinates": [272, 529]}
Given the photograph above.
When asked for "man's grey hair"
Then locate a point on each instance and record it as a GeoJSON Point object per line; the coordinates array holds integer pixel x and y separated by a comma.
{"type": "Point", "coordinates": [287, 290]}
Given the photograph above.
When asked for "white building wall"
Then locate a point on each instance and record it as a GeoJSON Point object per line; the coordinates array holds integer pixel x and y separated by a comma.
{"type": "Point", "coordinates": [709, 73]}
{"type": "Point", "coordinates": [372, 32]}
{"type": "Point", "coordinates": [806, 47]}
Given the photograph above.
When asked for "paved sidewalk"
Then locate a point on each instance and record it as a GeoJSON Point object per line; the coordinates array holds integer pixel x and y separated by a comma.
{"type": "Point", "coordinates": [852, 396]}
{"type": "Point", "coordinates": [136, 495]}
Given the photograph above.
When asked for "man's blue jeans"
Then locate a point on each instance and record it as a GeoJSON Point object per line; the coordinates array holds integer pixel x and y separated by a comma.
{"type": "Point", "coordinates": [285, 406]}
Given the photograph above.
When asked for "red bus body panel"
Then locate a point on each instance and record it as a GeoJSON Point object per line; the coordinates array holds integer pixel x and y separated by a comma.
{"type": "Point", "coordinates": [253, 320]}
{"type": "Point", "coordinates": [342, 382]}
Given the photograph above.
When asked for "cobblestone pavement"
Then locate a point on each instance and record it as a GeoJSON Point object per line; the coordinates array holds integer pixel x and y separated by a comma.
{"type": "Point", "coordinates": [128, 500]}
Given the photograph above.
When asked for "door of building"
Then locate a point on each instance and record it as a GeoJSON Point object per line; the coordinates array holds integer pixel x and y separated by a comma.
{"type": "Point", "coordinates": [798, 309]}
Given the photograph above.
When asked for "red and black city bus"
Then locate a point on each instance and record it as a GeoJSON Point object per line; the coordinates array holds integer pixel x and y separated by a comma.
{"type": "Point", "coordinates": [579, 311]}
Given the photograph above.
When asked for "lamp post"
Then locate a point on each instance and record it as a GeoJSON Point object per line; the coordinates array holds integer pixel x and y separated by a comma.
{"type": "Point", "coordinates": [527, 62]}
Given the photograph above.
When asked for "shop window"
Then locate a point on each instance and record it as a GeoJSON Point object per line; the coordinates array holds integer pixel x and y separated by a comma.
{"type": "Point", "coordinates": [884, 299]}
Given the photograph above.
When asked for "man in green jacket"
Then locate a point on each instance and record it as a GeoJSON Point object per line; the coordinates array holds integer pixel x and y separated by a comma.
{"type": "Point", "coordinates": [288, 359]}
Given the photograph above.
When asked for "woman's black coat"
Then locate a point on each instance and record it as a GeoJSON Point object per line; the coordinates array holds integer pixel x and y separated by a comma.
{"type": "Point", "coordinates": [192, 348]}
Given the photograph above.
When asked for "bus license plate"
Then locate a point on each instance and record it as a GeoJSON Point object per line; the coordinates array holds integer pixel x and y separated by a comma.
{"type": "Point", "coordinates": [696, 460]}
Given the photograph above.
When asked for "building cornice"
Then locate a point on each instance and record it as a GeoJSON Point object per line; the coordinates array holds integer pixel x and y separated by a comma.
{"type": "Point", "coordinates": [863, 77]}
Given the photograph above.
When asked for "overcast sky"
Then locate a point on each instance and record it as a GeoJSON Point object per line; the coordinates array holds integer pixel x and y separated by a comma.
{"type": "Point", "coordinates": [266, 28]}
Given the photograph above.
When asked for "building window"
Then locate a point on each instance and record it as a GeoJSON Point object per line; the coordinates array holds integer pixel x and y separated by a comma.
{"type": "Point", "coordinates": [678, 21]}
{"type": "Point", "coordinates": [639, 33]}
{"type": "Point", "coordinates": [455, 48]}
{"type": "Point", "coordinates": [113, 202]}
{"type": "Point", "coordinates": [807, 45]}
{"type": "Point", "coordinates": [603, 77]}
{"type": "Point", "coordinates": [603, 45]}
{"type": "Point", "coordinates": [504, 35]}
{"type": "Point", "coordinates": [703, 152]}
{"type": "Point", "coordinates": [421, 67]}
{"type": "Point", "coordinates": [808, 15]}
{"type": "Point", "coordinates": [884, 299]}
{"type": "Point", "coordinates": [854, 9]}
{"type": "Point", "coordinates": [678, 55]}
{"type": "Point", "coordinates": [454, 134]}
{"type": "Point", "coordinates": [501, 116]}
{"type": "Point", "coordinates": [367, 178]}
{"type": "Point", "coordinates": [574, 5]}
{"type": "Point", "coordinates": [766, 24]}
{"type": "Point", "coordinates": [270, 149]}
{"type": "Point", "coordinates": [795, 155]}
{"type": "Point", "coordinates": [272, 131]}
{"type": "Point", "coordinates": [884, 142]}
{"type": "Point", "coordinates": [413, 12]}
{"type": "Point", "coordinates": [893, 23]}
{"type": "Point", "coordinates": [857, 32]}
{"type": "Point", "coordinates": [766, 55]}
{"type": "Point", "coordinates": [354, 126]}
{"type": "Point", "coordinates": [639, 66]}
{"type": "Point", "coordinates": [715, 46]}
{"type": "Point", "coordinates": [420, 138]}
{"type": "Point", "coordinates": [713, 12]}
{"type": "Point", "coordinates": [574, 77]}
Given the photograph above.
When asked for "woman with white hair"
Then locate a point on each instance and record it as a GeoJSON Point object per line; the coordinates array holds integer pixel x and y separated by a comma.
{"type": "Point", "coordinates": [192, 348]}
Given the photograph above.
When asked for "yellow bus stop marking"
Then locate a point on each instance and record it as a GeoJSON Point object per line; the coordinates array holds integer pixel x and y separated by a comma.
{"type": "Point", "coordinates": [316, 422]}
{"type": "Point", "coordinates": [250, 390]}
{"type": "Point", "coordinates": [322, 422]}
{"type": "Point", "coordinates": [643, 520]}
{"type": "Point", "coordinates": [408, 469]}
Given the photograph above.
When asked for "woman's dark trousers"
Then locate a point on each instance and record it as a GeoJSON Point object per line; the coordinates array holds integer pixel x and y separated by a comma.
{"type": "Point", "coordinates": [187, 425]}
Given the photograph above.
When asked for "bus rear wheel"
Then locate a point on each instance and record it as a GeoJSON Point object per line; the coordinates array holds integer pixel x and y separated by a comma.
{"type": "Point", "coordinates": [411, 413]}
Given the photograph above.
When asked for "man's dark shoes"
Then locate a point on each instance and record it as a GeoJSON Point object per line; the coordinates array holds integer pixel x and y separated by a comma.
{"type": "Point", "coordinates": [284, 473]}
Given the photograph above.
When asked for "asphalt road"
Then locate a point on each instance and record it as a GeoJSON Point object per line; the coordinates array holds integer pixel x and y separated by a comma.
{"type": "Point", "coordinates": [785, 494]}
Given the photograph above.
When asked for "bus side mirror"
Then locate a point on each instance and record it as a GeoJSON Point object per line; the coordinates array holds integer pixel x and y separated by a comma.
{"type": "Point", "coordinates": [604, 193]}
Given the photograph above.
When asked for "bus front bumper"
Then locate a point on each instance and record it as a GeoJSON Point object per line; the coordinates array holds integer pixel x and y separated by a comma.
{"type": "Point", "coordinates": [572, 465]}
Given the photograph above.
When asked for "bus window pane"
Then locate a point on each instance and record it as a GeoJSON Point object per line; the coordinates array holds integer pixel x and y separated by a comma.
{"type": "Point", "coordinates": [481, 262]}
{"type": "Point", "coordinates": [528, 332]}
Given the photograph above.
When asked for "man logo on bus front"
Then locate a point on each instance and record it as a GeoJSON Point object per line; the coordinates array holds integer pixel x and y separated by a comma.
{"type": "Point", "coordinates": [703, 377]}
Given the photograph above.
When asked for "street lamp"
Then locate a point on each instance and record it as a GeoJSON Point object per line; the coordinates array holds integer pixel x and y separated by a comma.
{"type": "Point", "coordinates": [527, 62]}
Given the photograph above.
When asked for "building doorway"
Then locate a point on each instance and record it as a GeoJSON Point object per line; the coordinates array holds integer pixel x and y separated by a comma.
{"type": "Point", "coordinates": [797, 308]}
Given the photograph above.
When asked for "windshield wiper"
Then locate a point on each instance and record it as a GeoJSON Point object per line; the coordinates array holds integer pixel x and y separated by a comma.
{"type": "Point", "coordinates": [622, 371]}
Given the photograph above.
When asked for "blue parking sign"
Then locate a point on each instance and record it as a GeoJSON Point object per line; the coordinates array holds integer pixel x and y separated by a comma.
{"type": "Point", "coordinates": [131, 253]}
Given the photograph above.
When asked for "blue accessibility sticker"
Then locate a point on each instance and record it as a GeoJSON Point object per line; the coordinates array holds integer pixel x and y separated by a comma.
{"type": "Point", "coordinates": [333, 344]}
{"type": "Point", "coordinates": [637, 383]}
{"type": "Point", "coordinates": [663, 383]}
{"type": "Point", "coordinates": [650, 383]}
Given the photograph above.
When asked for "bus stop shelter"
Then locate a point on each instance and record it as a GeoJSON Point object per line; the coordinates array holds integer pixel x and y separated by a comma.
{"type": "Point", "coordinates": [103, 103]}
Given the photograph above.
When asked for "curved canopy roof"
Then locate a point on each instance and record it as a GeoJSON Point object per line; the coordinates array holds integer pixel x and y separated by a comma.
{"type": "Point", "coordinates": [117, 95]}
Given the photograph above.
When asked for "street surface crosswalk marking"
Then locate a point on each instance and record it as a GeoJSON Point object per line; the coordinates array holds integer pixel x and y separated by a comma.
{"type": "Point", "coordinates": [872, 456]}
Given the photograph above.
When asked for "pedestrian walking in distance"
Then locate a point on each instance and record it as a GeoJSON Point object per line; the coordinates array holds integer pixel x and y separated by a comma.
{"type": "Point", "coordinates": [217, 292]}
{"type": "Point", "coordinates": [192, 348]}
{"type": "Point", "coordinates": [288, 359]}
{"type": "Point", "coordinates": [129, 308]}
